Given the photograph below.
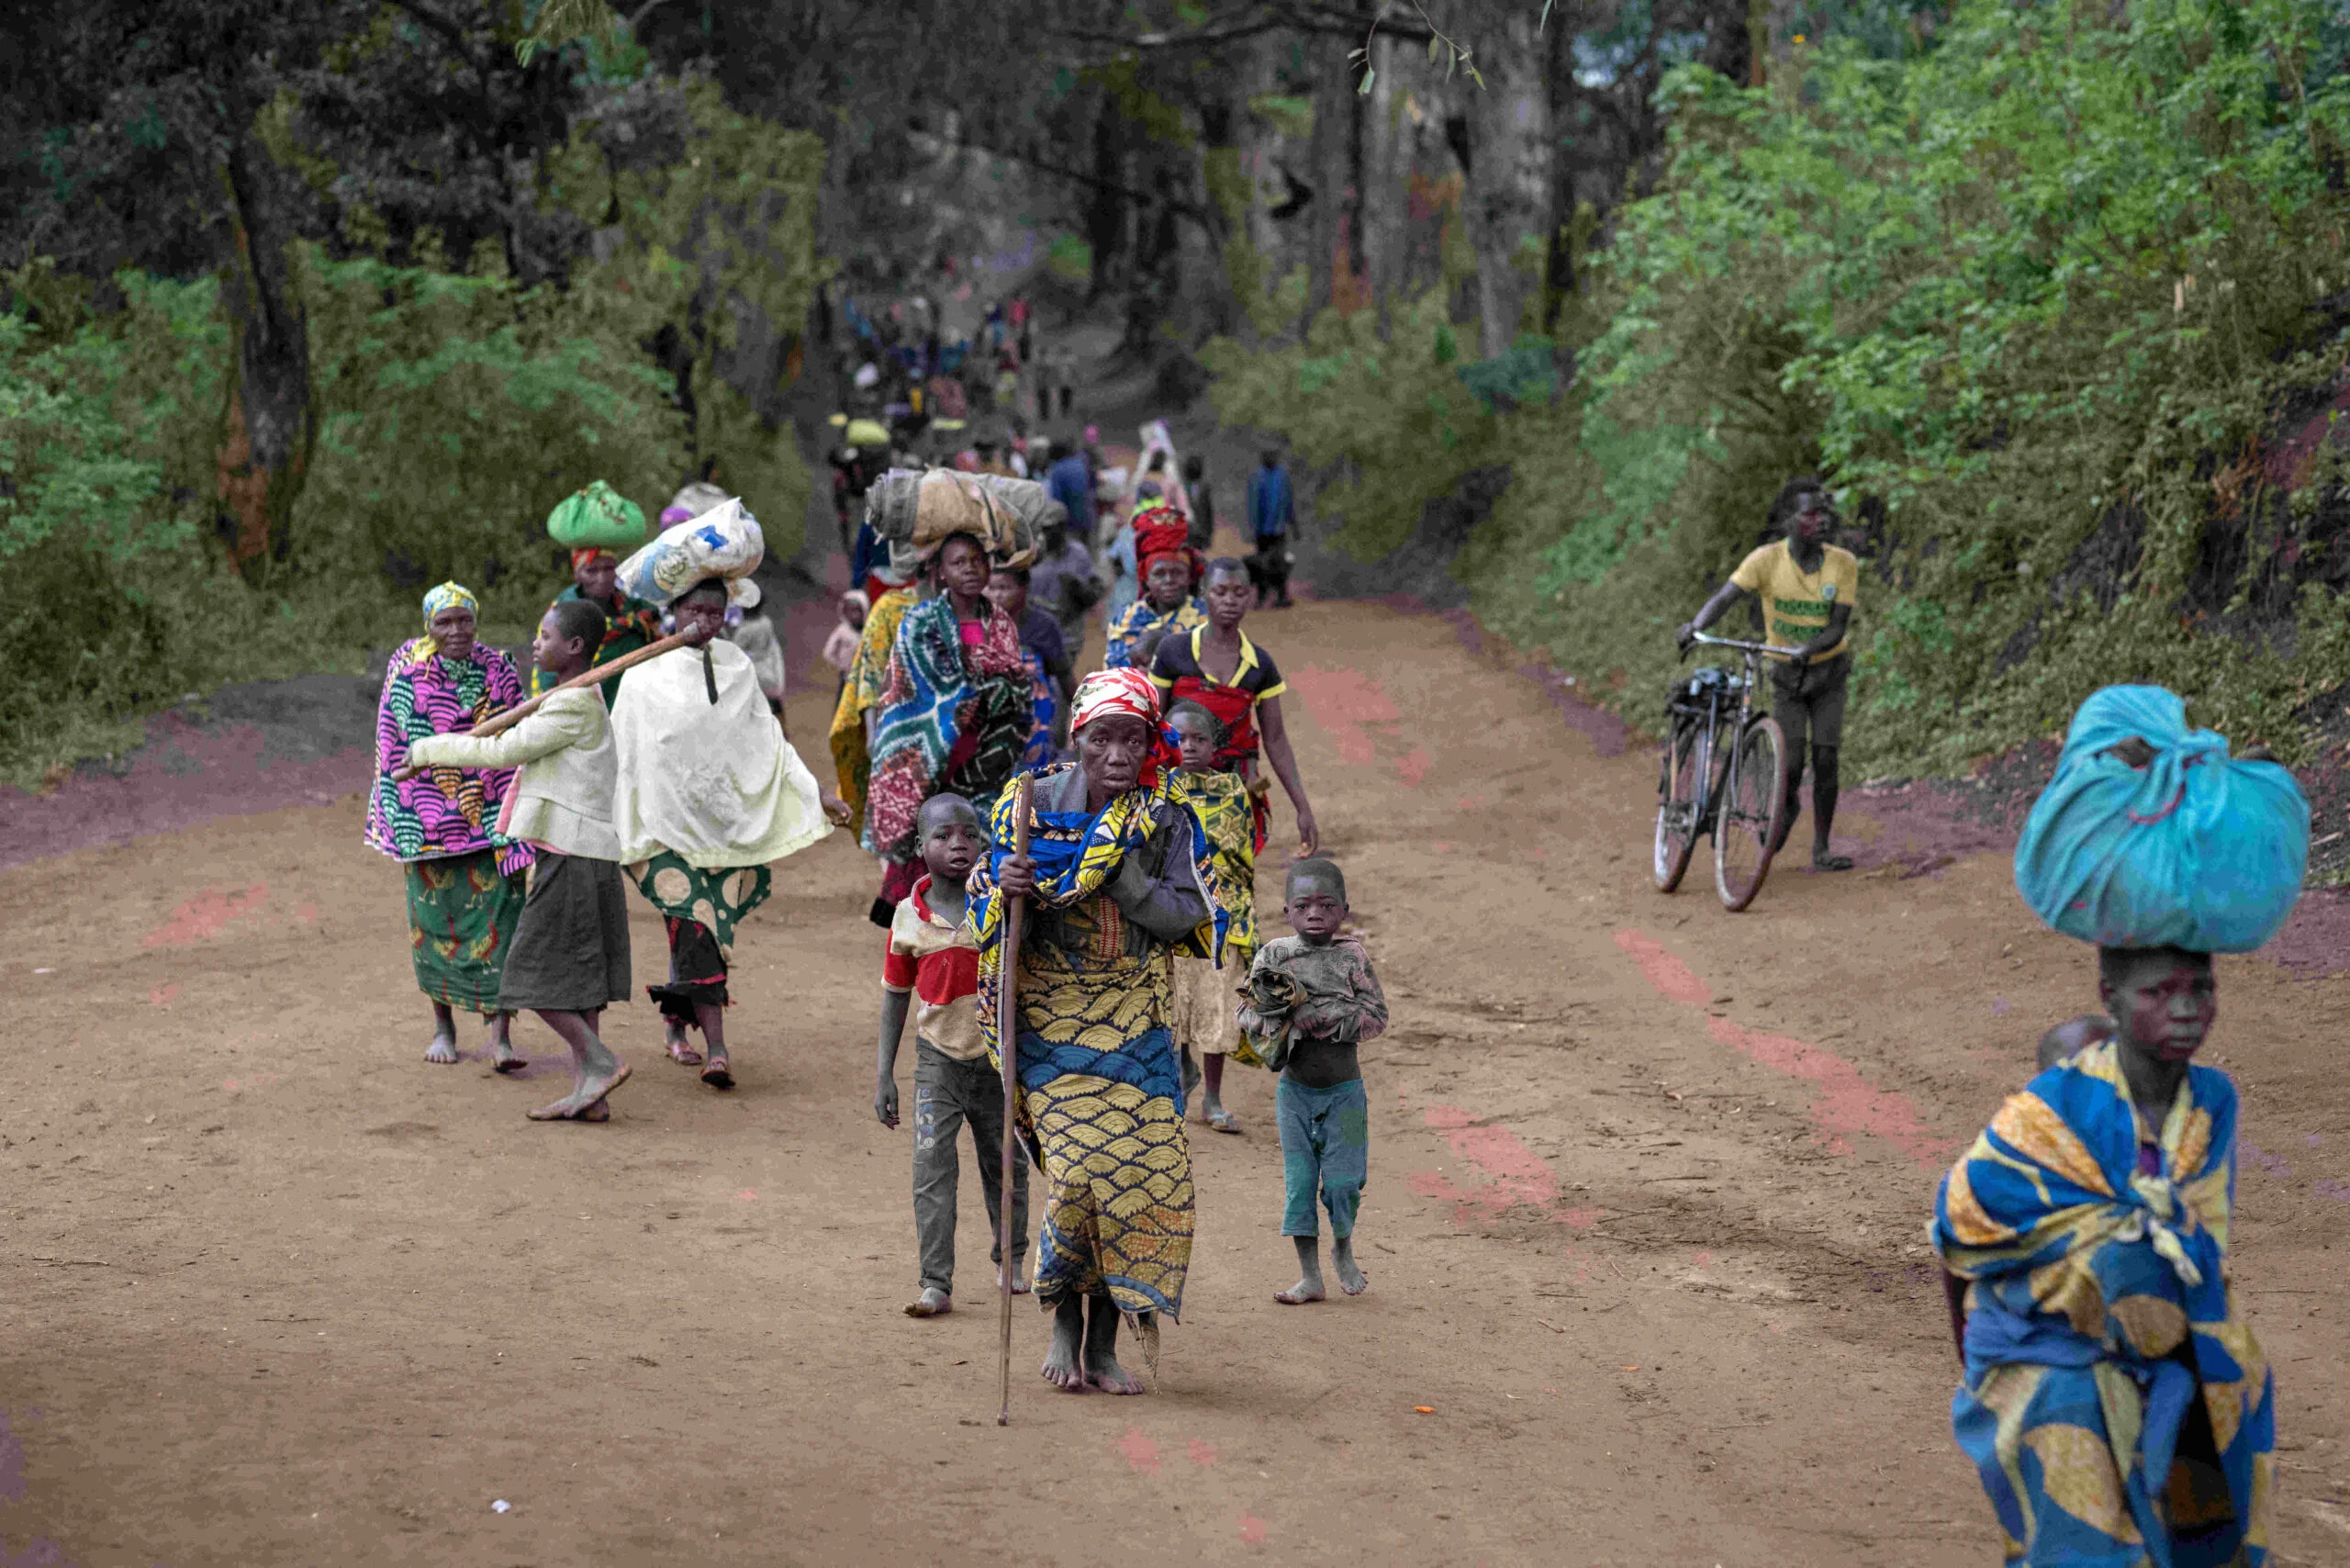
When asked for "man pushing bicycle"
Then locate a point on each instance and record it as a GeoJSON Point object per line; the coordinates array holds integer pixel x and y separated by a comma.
{"type": "Point", "coordinates": [1807, 587]}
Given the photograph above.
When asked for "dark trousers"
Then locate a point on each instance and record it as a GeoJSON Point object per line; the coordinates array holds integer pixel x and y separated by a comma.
{"type": "Point", "coordinates": [948, 1093]}
{"type": "Point", "coordinates": [1269, 567]}
{"type": "Point", "coordinates": [1810, 706]}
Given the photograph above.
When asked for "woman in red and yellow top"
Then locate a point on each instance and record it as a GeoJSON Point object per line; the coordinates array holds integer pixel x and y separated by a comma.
{"type": "Point", "coordinates": [1169, 570]}
{"type": "Point", "coordinates": [1219, 668]}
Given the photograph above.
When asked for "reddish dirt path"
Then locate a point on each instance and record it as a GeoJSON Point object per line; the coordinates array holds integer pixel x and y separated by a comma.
{"type": "Point", "coordinates": [1645, 1225]}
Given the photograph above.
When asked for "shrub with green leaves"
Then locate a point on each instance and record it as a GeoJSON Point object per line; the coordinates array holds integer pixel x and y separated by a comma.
{"type": "Point", "coordinates": [2036, 302]}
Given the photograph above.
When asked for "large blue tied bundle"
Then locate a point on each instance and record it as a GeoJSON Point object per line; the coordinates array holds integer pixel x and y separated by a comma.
{"type": "Point", "coordinates": [2193, 849]}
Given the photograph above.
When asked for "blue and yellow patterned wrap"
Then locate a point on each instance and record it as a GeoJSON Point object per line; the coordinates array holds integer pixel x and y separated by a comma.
{"type": "Point", "coordinates": [2119, 1409]}
{"type": "Point", "coordinates": [1101, 1098]}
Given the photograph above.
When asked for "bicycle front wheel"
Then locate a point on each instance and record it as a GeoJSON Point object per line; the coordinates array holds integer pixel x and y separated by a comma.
{"type": "Point", "coordinates": [1676, 806]}
{"type": "Point", "coordinates": [1755, 798]}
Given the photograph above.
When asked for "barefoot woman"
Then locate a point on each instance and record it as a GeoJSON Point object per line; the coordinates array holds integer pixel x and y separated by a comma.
{"type": "Point", "coordinates": [708, 791]}
{"type": "Point", "coordinates": [1117, 881]}
{"type": "Point", "coordinates": [465, 878]}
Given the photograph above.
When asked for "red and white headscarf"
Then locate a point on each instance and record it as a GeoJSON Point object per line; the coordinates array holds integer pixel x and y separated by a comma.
{"type": "Point", "coordinates": [1108, 693]}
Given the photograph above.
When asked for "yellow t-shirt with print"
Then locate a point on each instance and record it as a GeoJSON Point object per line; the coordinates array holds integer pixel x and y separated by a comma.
{"type": "Point", "coordinates": [1796, 603]}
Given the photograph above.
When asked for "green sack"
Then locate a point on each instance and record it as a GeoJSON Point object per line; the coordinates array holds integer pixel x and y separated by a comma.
{"type": "Point", "coordinates": [596, 518]}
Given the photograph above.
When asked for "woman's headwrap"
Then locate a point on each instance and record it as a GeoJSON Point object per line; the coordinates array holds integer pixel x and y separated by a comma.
{"type": "Point", "coordinates": [1162, 530]}
{"type": "Point", "coordinates": [587, 553]}
{"type": "Point", "coordinates": [1113, 693]}
{"type": "Point", "coordinates": [449, 596]}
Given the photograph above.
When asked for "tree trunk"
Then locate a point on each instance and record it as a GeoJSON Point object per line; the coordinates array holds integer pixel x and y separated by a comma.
{"type": "Point", "coordinates": [1105, 216]}
{"type": "Point", "coordinates": [1509, 196]}
{"type": "Point", "coordinates": [1385, 203]}
{"type": "Point", "coordinates": [268, 426]}
{"type": "Point", "coordinates": [1335, 212]}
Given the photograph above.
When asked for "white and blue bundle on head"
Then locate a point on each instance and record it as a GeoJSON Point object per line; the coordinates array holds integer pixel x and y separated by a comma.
{"type": "Point", "coordinates": [723, 542]}
{"type": "Point", "coordinates": [2192, 850]}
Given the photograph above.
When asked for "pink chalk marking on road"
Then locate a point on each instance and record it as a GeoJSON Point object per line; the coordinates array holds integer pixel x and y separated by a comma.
{"type": "Point", "coordinates": [1442, 846]}
{"type": "Point", "coordinates": [1203, 1454]}
{"type": "Point", "coordinates": [1413, 766]}
{"type": "Point", "coordinates": [1667, 973]}
{"type": "Point", "coordinates": [1342, 701]}
{"type": "Point", "coordinates": [308, 914]}
{"type": "Point", "coordinates": [162, 995]}
{"type": "Point", "coordinates": [1847, 1102]}
{"type": "Point", "coordinates": [1515, 1174]}
{"type": "Point", "coordinates": [1252, 1531]}
{"type": "Point", "coordinates": [746, 1196]}
{"type": "Point", "coordinates": [1139, 1451]}
{"type": "Point", "coordinates": [1704, 1259]}
{"type": "Point", "coordinates": [207, 915]}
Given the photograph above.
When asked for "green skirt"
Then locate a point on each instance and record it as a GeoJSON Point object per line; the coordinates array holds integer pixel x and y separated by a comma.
{"type": "Point", "coordinates": [461, 917]}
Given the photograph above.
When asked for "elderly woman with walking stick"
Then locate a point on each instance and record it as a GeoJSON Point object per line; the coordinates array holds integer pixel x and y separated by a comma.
{"type": "Point", "coordinates": [1116, 879]}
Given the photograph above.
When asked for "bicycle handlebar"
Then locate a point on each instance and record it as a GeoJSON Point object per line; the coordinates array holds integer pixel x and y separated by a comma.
{"type": "Point", "coordinates": [1748, 647]}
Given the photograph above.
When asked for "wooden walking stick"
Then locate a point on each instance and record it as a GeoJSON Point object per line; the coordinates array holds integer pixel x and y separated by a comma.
{"type": "Point", "coordinates": [1007, 1035]}
{"type": "Point", "coordinates": [499, 722]}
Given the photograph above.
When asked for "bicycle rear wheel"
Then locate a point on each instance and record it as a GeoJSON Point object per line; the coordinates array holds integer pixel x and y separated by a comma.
{"type": "Point", "coordinates": [1754, 797]}
{"type": "Point", "coordinates": [1676, 808]}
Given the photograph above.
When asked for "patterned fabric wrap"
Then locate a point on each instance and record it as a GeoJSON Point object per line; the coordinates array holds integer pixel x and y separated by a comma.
{"type": "Point", "coordinates": [445, 811]}
{"type": "Point", "coordinates": [2099, 1318]}
{"type": "Point", "coordinates": [1160, 530]}
{"type": "Point", "coordinates": [581, 556]}
{"type": "Point", "coordinates": [1108, 693]}
{"type": "Point", "coordinates": [462, 911]}
{"type": "Point", "coordinates": [637, 625]}
{"type": "Point", "coordinates": [449, 596]}
{"type": "Point", "coordinates": [1237, 711]}
{"type": "Point", "coordinates": [1045, 701]}
{"type": "Point", "coordinates": [1101, 1098]}
{"type": "Point", "coordinates": [1220, 804]}
{"type": "Point", "coordinates": [713, 900]}
{"type": "Point", "coordinates": [861, 686]}
{"type": "Point", "coordinates": [1138, 620]}
{"type": "Point", "coordinates": [952, 718]}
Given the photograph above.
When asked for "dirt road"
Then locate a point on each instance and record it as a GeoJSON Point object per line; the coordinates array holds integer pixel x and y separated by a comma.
{"type": "Point", "coordinates": [1645, 1223]}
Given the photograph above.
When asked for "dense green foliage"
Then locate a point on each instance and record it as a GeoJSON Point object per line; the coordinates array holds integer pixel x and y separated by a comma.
{"type": "Point", "coordinates": [2039, 302]}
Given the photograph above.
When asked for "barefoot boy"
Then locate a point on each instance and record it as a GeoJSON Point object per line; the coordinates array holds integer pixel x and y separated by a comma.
{"type": "Point", "coordinates": [933, 960]}
{"type": "Point", "coordinates": [1207, 1027]}
{"type": "Point", "coordinates": [1329, 1004]}
{"type": "Point", "coordinates": [2091, 1218]}
{"type": "Point", "coordinates": [570, 956]}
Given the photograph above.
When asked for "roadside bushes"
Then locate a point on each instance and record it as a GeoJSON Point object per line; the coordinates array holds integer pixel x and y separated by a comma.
{"type": "Point", "coordinates": [2055, 306]}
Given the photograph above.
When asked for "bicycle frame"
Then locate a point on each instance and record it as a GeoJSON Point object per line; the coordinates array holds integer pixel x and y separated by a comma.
{"type": "Point", "coordinates": [1710, 780]}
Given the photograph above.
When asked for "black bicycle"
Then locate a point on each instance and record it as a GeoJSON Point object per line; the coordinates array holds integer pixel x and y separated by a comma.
{"type": "Point", "coordinates": [1725, 773]}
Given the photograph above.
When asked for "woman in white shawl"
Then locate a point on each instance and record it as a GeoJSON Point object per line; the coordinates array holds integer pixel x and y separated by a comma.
{"type": "Point", "coordinates": [709, 792]}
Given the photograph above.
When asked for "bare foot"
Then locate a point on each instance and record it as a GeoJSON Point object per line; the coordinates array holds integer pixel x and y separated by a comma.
{"type": "Point", "coordinates": [1351, 1278]}
{"type": "Point", "coordinates": [589, 1094]}
{"type": "Point", "coordinates": [502, 1057]}
{"type": "Point", "coordinates": [931, 1302]}
{"type": "Point", "coordinates": [1062, 1366]}
{"type": "Point", "coordinates": [601, 1111]}
{"type": "Point", "coordinates": [1018, 1280]}
{"type": "Point", "coordinates": [1102, 1372]}
{"type": "Point", "coordinates": [443, 1048]}
{"type": "Point", "coordinates": [1298, 1294]}
{"type": "Point", "coordinates": [681, 1050]}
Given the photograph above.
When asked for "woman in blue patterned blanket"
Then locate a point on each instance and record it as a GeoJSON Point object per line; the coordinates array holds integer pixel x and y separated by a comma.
{"type": "Point", "coordinates": [2115, 1402]}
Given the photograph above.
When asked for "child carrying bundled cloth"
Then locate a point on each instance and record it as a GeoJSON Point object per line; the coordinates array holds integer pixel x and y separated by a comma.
{"type": "Point", "coordinates": [932, 968]}
{"type": "Point", "coordinates": [1200, 1008]}
{"type": "Point", "coordinates": [2115, 1402]}
{"type": "Point", "coordinates": [569, 958]}
{"type": "Point", "coordinates": [1312, 999]}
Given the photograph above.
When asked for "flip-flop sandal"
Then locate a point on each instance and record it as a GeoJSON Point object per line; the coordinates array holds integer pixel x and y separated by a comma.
{"type": "Point", "coordinates": [1225, 1122]}
{"type": "Point", "coordinates": [601, 1111]}
{"type": "Point", "coordinates": [511, 1064]}
{"type": "Point", "coordinates": [718, 1074]}
{"type": "Point", "coordinates": [683, 1053]}
{"type": "Point", "coordinates": [1831, 862]}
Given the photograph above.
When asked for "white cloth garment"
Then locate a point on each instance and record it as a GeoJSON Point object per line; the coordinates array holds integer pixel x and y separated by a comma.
{"type": "Point", "coordinates": [715, 783]}
{"type": "Point", "coordinates": [562, 797]}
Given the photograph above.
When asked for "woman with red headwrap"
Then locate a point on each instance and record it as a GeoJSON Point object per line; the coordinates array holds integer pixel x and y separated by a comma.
{"type": "Point", "coordinates": [1118, 876]}
{"type": "Point", "coordinates": [1170, 569]}
{"type": "Point", "coordinates": [596, 511]}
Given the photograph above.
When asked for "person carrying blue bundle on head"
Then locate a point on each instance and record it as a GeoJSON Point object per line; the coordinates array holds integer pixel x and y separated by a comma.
{"type": "Point", "coordinates": [2115, 1402]}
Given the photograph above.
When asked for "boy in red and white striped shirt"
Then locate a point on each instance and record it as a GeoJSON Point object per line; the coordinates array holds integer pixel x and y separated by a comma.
{"type": "Point", "coordinates": [933, 969]}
